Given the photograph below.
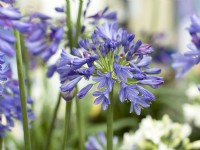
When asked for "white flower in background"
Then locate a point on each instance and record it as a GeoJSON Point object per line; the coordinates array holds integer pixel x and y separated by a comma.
{"type": "Point", "coordinates": [191, 113]}
{"type": "Point", "coordinates": [150, 128]}
{"type": "Point", "coordinates": [157, 134]}
{"type": "Point", "coordinates": [162, 146]}
{"type": "Point", "coordinates": [192, 92]}
{"type": "Point", "coordinates": [130, 139]}
{"type": "Point", "coordinates": [185, 131]}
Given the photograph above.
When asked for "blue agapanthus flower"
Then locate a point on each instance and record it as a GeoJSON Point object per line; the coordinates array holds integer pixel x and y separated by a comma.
{"type": "Point", "coordinates": [111, 57]}
{"type": "Point", "coordinates": [183, 63]}
{"type": "Point", "coordinates": [8, 1]}
{"type": "Point", "coordinates": [8, 15]}
{"type": "Point", "coordinates": [43, 39]}
{"type": "Point", "coordinates": [10, 20]}
{"type": "Point", "coordinates": [99, 142]}
{"type": "Point", "coordinates": [10, 107]}
{"type": "Point", "coordinates": [94, 20]}
{"type": "Point", "coordinates": [7, 41]}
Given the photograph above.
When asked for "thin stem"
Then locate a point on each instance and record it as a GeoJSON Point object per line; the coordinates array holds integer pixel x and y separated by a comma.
{"type": "Point", "coordinates": [22, 93]}
{"type": "Point", "coordinates": [49, 135]}
{"type": "Point", "coordinates": [78, 106]}
{"type": "Point", "coordinates": [25, 56]}
{"type": "Point", "coordinates": [69, 26]}
{"type": "Point", "coordinates": [68, 104]}
{"type": "Point", "coordinates": [110, 123]}
{"type": "Point", "coordinates": [80, 123]}
{"type": "Point", "coordinates": [67, 122]}
{"type": "Point", "coordinates": [1, 143]}
{"type": "Point", "coordinates": [78, 23]}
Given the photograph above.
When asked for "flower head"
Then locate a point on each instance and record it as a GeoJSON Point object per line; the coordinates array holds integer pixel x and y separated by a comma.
{"type": "Point", "coordinates": [10, 107]}
{"type": "Point", "coordinates": [8, 1]}
{"type": "Point", "coordinates": [10, 20]}
{"type": "Point", "coordinates": [112, 57]}
{"type": "Point", "coordinates": [43, 39]}
{"type": "Point", "coordinates": [183, 63]}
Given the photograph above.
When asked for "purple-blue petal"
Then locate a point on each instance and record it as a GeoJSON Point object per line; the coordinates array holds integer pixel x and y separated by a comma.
{"type": "Point", "coordinates": [70, 85]}
{"type": "Point", "coordinates": [84, 91]}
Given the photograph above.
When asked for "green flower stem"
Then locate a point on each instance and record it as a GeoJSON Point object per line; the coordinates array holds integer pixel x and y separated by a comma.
{"type": "Point", "coordinates": [80, 123]}
{"type": "Point", "coordinates": [73, 42]}
{"type": "Point", "coordinates": [79, 114]}
{"type": "Point", "coordinates": [25, 56]}
{"type": "Point", "coordinates": [68, 104]}
{"type": "Point", "coordinates": [49, 135]}
{"type": "Point", "coordinates": [110, 123]}
{"type": "Point", "coordinates": [22, 92]}
{"type": "Point", "coordinates": [1, 143]}
{"type": "Point", "coordinates": [69, 25]}
{"type": "Point", "coordinates": [67, 122]}
{"type": "Point", "coordinates": [78, 23]}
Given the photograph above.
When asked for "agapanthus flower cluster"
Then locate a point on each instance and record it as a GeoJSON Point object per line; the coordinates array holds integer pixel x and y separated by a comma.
{"type": "Point", "coordinates": [8, 1]}
{"type": "Point", "coordinates": [183, 63]}
{"type": "Point", "coordinates": [43, 39]}
{"type": "Point", "coordinates": [111, 57]}
{"type": "Point", "coordinates": [10, 20]}
{"type": "Point", "coordinates": [99, 142]}
{"type": "Point", "coordinates": [10, 107]}
{"type": "Point", "coordinates": [93, 19]}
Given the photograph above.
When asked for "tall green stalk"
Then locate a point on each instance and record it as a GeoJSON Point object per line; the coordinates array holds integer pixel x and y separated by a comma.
{"type": "Point", "coordinates": [49, 135]}
{"type": "Point", "coordinates": [79, 113]}
{"type": "Point", "coordinates": [78, 22]}
{"type": "Point", "coordinates": [73, 42]}
{"type": "Point", "coordinates": [67, 121]}
{"type": "Point", "coordinates": [25, 60]}
{"type": "Point", "coordinates": [80, 124]}
{"type": "Point", "coordinates": [22, 92]}
{"type": "Point", "coordinates": [69, 25]}
{"type": "Point", "coordinates": [68, 104]}
{"type": "Point", "coordinates": [110, 123]}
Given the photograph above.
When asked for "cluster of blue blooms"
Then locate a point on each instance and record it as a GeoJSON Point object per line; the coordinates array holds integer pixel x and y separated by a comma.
{"type": "Point", "coordinates": [9, 17]}
{"type": "Point", "coordinates": [111, 57]}
{"type": "Point", "coordinates": [43, 39]}
{"type": "Point", "coordinates": [183, 63]}
{"type": "Point", "coordinates": [102, 15]}
{"type": "Point", "coordinates": [10, 108]}
{"type": "Point", "coordinates": [8, 1]}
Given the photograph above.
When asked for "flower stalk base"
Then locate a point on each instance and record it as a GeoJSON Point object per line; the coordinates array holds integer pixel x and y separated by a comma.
{"type": "Point", "coordinates": [22, 92]}
{"type": "Point", "coordinates": [110, 123]}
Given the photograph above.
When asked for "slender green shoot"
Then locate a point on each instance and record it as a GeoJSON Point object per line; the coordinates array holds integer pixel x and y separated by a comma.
{"type": "Point", "coordinates": [22, 89]}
